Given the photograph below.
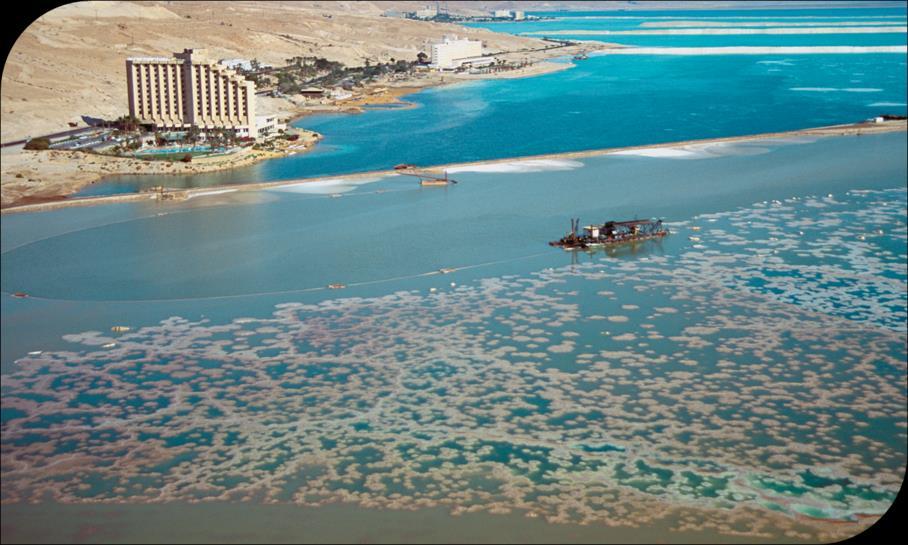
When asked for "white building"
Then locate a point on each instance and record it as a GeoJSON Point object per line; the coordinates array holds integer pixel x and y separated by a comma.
{"type": "Point", "coordinates": [245, 64]}
{"type": "Point", "coordinates": [451, 51]}
{"type": "Point", "coordinates": [427, 13]}
{"type": "Point", "coordinates": [268, 125]}
{"type": "Point", "coordinates": [519, 16]}
{"type": "Point", "coordinates": [501, 14]}
{"type": "Point", "coordinates": [233, 64]}
{"type": "Point", "coordinates": [340, 94]}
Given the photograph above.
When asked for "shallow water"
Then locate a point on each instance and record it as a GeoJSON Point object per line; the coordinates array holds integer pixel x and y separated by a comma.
{"type": "Point", "coordinates": [242, 523]}
{"type": "Point", "coordinates": [540, 370]}
{"type": "Point", "coordinates": [741, 379]}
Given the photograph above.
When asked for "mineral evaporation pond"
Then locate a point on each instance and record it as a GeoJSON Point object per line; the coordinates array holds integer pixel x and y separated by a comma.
{"type": "Point", "coordinates": [757, 375]}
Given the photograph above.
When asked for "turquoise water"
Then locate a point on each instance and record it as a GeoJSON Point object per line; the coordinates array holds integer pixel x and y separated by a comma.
{"type": "Point", "coordinates": [282, 251]}
{"type": "Point", "coordinates": [743, 371]}
{"type": "Point", "coordinates": [562, 25]}
{"type": "Point", "coordinates": [527, 367]}
{"type": "Point", "coordinates": [605, 101]}
{"type": "Point", "coordinates": [814, 40]}
{"type": "Point", "coordinates": [177, 150]}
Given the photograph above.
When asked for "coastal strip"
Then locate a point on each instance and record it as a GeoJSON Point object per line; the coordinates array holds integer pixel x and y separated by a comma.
{"type": "Point", "coordinates": [756, 50]}
{"type": "Point", "coordinates": [725, 31]}
{"type": "Point", "coordinates": [831, 130]}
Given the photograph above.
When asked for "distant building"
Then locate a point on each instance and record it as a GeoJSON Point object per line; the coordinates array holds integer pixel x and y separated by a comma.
{"type": "Point", "coordinates": [477, 62]}
{"type": "Point", "coordinates": [428, 13]}
{"type": "Point", "coordinates": [340, 94]}
{"type": "Point", "coordinates": [312, 92]}
{"type": "Point", "coordinates": [501, 14]}
{"type": "Point", "coordinates": [244, 64]}
{"type": "Point", "coordinates": [268, 126]}
{"type": "Point", "coordinates": [451, 51]}
{"type": "Point", "coordinates": [519, 16]}
{"type": "Point", "coordinates": [190, 89]}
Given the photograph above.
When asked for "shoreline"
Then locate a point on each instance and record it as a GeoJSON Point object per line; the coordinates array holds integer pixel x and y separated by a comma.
{"type": "Point", "coordinates": [75, 170]}
{"type": "Point", "coordinates": [393, 97]}
{"type": "Point", "coordinates": [182, 194]}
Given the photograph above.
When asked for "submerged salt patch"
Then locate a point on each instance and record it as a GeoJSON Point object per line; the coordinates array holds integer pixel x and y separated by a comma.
{"type": "Point", "coordinates": [331, 186]}
{"type": "Point", "coordinates": [425, 378]}
{"type": "Point", "coordinates": [528, 165]}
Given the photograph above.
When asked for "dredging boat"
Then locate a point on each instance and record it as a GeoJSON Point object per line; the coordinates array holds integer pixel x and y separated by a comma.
{"type": "Point", "coordinates": [609, 233]}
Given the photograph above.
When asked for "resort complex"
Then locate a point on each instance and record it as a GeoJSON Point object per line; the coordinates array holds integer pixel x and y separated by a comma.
{"type": "Point", "coordinates": [189, 90]}
{"type": "Point", "coordinates": [453, 52]}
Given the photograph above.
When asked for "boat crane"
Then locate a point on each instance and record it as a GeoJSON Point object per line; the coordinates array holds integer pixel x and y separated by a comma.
{"type": "Point", "coordinates": [609, 233]}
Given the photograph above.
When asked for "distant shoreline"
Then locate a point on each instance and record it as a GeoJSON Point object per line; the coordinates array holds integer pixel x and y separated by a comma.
{"type": "Point", "coordinates": [831, 130]}
{"type": "Point", "coordinates": [63, 173]}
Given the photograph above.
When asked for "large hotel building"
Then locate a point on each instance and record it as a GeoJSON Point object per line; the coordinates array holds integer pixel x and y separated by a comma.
{"type": "Point", "coordinates": [190, 89]}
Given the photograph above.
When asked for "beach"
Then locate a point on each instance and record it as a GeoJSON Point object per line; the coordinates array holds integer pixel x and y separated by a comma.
{"type": "Point", "coordinates": [51, 175]}
{"type": "Point", "coordinates": [41, 176]}
{"type": "Point", "coordinates": [57, 199]}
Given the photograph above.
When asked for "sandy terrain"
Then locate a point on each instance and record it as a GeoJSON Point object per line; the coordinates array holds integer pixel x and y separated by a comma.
{"type": "Point", "coordinates": [29, 176]}
{"type": "Point", "coordinates": [41, 176]}
{"type": "Point", "coordinates": [69, 65]}
{"type": "Point", "coordinates": [652, 149]}
{"type": "Point", "coordinates": [71, 62]}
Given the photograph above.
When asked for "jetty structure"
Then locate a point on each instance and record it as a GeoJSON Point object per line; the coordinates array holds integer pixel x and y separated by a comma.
{"type": "Point", "coordinates": [609, 233]}
{"type": "Point", "coordinates": [425, 178]}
